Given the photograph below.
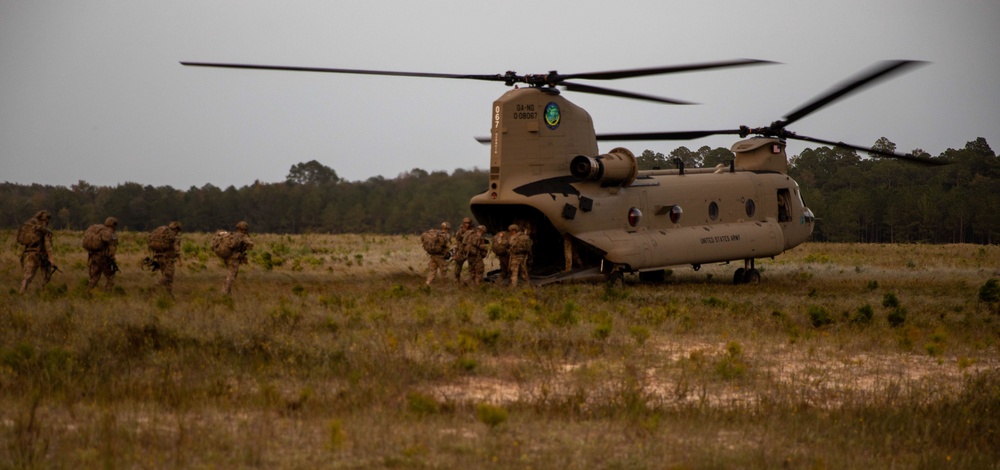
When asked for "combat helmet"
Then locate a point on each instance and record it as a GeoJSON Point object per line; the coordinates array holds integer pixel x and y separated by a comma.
{"type": "Point", "coordinates": [111, 222]}
{"type": "Point", "coordinates": [242, 226]}
{"type": "Point", "coordinates": [445, 226]}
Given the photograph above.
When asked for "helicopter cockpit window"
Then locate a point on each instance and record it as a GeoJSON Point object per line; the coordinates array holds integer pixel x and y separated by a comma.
{"type": "Point", "coordinates": [751, 208]}
{"type": "Point", "coordinates": [713, 210]}
{"type": "Point", "coordinates": [784, 205]}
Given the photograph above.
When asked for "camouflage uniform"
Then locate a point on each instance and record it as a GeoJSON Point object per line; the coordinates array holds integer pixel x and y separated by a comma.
{"type": "Point", "coordinates": [520, 249]}
{"type": "Point", "coordinates": [102, 262]}
{"type": "Point", "coordinates": [167, 259]}
{"type": "Point", "coordinates": [501, 248]}
{"type": "Point", "coordinates": [437, 262]}
{"type": "Point", "coordinates": [36, 255]}
{"type": "Point", "coordinates": [241, 241]}
{"type": "Point", "coordinates": [476, 248]}
{"type": "Point", "coordinates": [460, 255]}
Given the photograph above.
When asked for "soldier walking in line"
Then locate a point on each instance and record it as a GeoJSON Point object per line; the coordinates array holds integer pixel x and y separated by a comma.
{"type": "Point", "coordinates": [520, 248]}
{"type": "Point", "coordinates": [165, 243]}
{"type": "Point", "coordinates": [501, 247]}
{"type": "Point", "coordinates": [232, 248]}
{"type": "Point", "coordinates": [435, 243]}
{"type": "Point", "coordinates": [37, 240]}
{"type": "Point", "coordinates": [460, 254]}
{"type": "Point", "coordinates": [476, 249]}
{"type": "Point", "coordinates": [101, 243]}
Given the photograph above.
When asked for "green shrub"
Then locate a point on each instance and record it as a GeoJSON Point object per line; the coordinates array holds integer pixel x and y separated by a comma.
{"type": "Point", "coordinates": [422, 404]}
{"type": "Point", "coordinates": [819, 316]}
{"type": "Point", "coordinates": [863, 315]}
{"type": "Point", "coordinates": [889, 300]}
{"type": "Point", "coordinates": [897, 317]}
{"type": "Point", "coordinates": [490, 415]}
{"type": "Point", "coordinates": [990, 291]}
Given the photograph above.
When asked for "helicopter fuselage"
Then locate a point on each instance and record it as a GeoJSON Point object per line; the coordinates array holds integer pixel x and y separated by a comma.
{"type": "Point", "coordinates": [586, 210]}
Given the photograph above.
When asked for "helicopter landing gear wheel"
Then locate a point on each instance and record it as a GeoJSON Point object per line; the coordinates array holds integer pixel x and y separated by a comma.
{"type": "Point", "coordinates": [748, 274]}
{"type": "Point", "coordinates": [615, 277]}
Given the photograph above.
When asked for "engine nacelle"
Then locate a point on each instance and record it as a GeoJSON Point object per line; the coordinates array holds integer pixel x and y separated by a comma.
{"type": "Point", "coordinates": [616, 168]}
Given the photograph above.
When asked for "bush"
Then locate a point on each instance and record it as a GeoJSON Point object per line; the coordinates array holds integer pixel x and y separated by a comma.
{"type": "Point", "coordinates": [863, 315]}
{"type": "Point", "coordinates": [819, 316]}
{"type": "Point", "coordinates": [491, 415]}
{"type": "Point", "coordinates": [990, 292]}
{"type": "Point", "coordinates": [889, 300]}
{"type": "Point", "coordinates": [897, 317]}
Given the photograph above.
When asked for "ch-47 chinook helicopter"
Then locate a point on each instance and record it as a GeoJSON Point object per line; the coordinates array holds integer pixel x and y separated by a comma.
{"type": "Point", "coordinates": [594, 215]}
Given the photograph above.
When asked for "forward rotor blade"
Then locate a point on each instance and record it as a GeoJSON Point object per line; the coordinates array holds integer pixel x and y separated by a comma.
{"type": "Point", "coordinates": [678, 135]}
{"type": "Point", "coordinates": [499, 78]}
{"type": "Point", "coordinates": [621, 94]}
{"type": "Point", "coordinates": [616, 74]}
{"type": "Point", "coordinates": [909, 158]}
{"type": "Point", "coordinates": [879, 72]}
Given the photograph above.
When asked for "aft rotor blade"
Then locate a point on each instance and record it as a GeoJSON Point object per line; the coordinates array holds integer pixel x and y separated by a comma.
{"type": "Point", "coordinates": [616, 74]}
{"type": "Point", "coordinates": [621, 94]}
{"type": "Point", "coordinates": [909, 158]}
{"type": "Point", "coordinates": [879, 72]}
{"type": "Point", "coordinates": [286, 68]}
{"type": "Point", "coordinates": [678, 135]}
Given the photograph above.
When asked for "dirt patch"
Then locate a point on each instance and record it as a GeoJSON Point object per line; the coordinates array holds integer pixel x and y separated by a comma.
{"type": "Point", "coordinates": [709, 373]}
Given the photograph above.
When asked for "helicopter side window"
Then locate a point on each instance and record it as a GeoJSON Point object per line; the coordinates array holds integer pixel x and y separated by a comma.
{"type": "Point", "coordinates": [751, 208]}
{"type": "Point", "coordinates": [784, 206]}
{"type": "Point", "coordinates": [713, 210]}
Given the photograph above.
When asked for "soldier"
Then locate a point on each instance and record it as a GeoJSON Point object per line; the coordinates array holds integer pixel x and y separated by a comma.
{"type": "Point", "coordinates": [435, 243]}
{"type": "Point", "coordinates": [165, 242]}
{"type": "Point", "coordinates": [101, 243]}
{"type": "Point", "coordinates": [501, 248]}
{"type": "Point", "coordinates": [37, 240]}
{"type": "Point", "coordinates": [460, 254]}
{"type": "Point", "coordinates": [239, 242]}
{"type": "Point", "coordinates": [476, 248]}
{"type": "Point", "coordinates": [520, 248]}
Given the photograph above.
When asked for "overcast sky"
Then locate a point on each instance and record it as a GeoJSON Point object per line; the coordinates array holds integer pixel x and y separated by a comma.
{"type": "Point", "coordinates": [92, 90]}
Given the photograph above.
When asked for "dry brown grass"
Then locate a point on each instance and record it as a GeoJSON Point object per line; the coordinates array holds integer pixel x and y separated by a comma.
{"type": "Point", "coordinates": [331, 353]}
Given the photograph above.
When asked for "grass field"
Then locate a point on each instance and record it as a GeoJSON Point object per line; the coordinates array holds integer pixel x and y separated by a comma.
{"type": "Point", "coordinates": [332, 353]}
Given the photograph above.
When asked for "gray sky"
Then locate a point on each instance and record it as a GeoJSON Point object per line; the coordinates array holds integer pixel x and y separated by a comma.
{"type": "Point", "coordinates": [92, 90]}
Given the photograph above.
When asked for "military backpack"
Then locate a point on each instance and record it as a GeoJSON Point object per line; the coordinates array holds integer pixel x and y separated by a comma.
{"type": "Point", "coordinates": [161, 240]}
{"type": "Point", "coordinates": [224, 244]}
{"type": "Point", "coordinates": [521, 244]}
{"type": "Point", "coordinates": [501, 244]}
{"type": "Point", "coordinates": [433, 242]}
{"type": "Point", "coordinates": [29, 234]}
{"type": "Point", "coordinates": [93, 239]}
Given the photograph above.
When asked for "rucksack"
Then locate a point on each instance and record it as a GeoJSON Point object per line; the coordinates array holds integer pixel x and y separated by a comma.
{"type": "Point", "coordinates": [92, 240]}
{"type": "Point", "coordinates": [223, 244]}
{"type": "Point", "coordinates": [161, 240]}
{"type": "Point", "coordinates": [28, 234]}
{"type": "Point", "coordinates": [521, 244]}
{"type": "Point", "coordinates": [433, 243]}
{"type": "Point", "coordinates": [501, 244]}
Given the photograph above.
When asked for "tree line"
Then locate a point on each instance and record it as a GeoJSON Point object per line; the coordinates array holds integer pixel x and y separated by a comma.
{"type": "Point", "coordinates": [856, 199]}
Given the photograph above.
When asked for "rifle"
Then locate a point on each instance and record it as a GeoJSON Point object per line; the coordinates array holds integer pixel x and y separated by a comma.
{"type": "Point", "coordinates": [151, 263]}
{"type": "Point", "coordinates": [49, 268]}
{"type": "Point", "coordinates": [114, 265]}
